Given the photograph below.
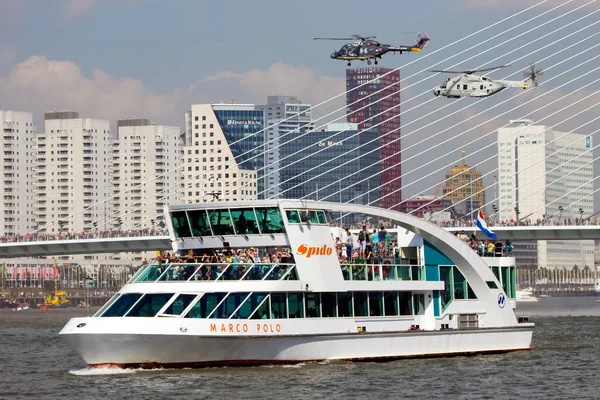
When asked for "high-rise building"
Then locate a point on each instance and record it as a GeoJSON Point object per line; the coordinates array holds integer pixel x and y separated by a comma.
{"type": "Point", "coordinates": [464, 187]}
{"type": "Point", "coordinates": [224, 150]}
{"type": "Point", "coordinates": [545, 174]}
{"type": "Point", "coordinates": [373, 102]}
{"type": "Point", "coordinates": [18, 144]}
{"type": "Point", "coordinates": [146, 172]}
{"type": "Point", "coordinates": [73, 173]}
{"type": "Point", "coordinates": [344, 169]}
{"type": "Point", "coordinates": [287, 118]}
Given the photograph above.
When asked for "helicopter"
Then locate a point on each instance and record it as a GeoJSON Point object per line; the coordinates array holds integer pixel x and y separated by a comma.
{"type": "Point", "coordinates": [365, 48]}
{"type": "Point", "coordinates": [470, 85]}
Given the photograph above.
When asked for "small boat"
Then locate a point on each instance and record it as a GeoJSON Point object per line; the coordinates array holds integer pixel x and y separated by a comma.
{"type": "Point", "coordinates": [21, 307]}
{"type": "Point", "coordinates": [526, 296]}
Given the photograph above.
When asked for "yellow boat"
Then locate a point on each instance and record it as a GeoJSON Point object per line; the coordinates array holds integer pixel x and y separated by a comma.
{"type": "Point", "coordinates": [57, 299]}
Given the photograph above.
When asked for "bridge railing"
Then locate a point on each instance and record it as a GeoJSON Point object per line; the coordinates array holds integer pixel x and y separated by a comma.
{"type": "Point", "coordinates": [40, 237]}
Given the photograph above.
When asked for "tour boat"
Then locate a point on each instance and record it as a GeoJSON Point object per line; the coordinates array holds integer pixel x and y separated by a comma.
{"type": "Point", "coordinates": [422, 293]}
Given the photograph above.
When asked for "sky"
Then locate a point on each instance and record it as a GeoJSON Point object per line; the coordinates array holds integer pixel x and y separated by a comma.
{"type": "Point", "coordinates": [115, 59]}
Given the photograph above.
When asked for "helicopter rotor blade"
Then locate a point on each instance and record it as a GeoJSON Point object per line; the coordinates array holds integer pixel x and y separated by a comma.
{"type": "Point", "coordinates": [469, 71]}
{"type": "Point", "coordinates": [533, 74]}
{"type": "Point", "coordinates": [331, 38]}
{"type": "Point", "coordinates": [360, 37]}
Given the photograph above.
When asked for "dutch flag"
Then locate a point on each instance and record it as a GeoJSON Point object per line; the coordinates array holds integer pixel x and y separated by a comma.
{"type": "Point", "coordinates": [482, 225]}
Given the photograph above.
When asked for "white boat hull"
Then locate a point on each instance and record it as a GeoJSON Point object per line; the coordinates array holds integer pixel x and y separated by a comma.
{"type": "Point", "coordinates": [155, 350]}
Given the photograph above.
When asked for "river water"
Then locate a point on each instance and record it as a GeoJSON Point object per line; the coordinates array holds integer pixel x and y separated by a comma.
{"type": "Point", "coordinates": [564, 362]}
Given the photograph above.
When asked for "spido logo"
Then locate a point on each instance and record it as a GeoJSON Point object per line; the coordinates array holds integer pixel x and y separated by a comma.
{"type": "Point", "coordinates": [309, 251]}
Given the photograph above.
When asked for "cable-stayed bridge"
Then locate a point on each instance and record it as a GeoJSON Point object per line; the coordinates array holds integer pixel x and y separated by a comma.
{"type": "Point", "coordinates": [561, 39]}
{"type": "Point", "coordinates": [149, 243]}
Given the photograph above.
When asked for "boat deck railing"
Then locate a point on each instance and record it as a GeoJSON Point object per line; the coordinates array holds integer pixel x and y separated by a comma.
{"type": "Point", "coordinates": [383, 272]}
{"type": "Point", "coordinates": [215, 272]}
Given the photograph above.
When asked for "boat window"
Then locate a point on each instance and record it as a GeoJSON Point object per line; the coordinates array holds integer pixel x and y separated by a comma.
{"type": "Point", "coordinates": [269, 220]}
{"type": "Point", "coordinates": [448, 292]}
{"type": "Point", "coordinates": [506, 281]}
{"type": "Point", "coordinates": [180, 224]}
{"type": "Point", "coordinates": [405, 302]}
{"type": "Point", "coordinates": [250, 307]}
{"type": "Point", "coordinates": [296, 305]}
{"type": "Point", "coordinates": [205, 305]}
{"type": "Point", "coordinates": [106, 305]}
{"type": "Point", "coordinates": [460, 285]}
{"type": "Point", "coordinates": [360, 304]}
{"type": "Point", "coordinates": [390, 303]}
{"type": "Point", "coordinates": [312, 217]}
{"type": "Point", "coordinates": [513, 282]}
{"type": "Point", "coordinates": [244, 221]}
{"type": "Point", "coordinates": [344, 304]}
{"type": "Point", "coordinates": [124, 303]}
{"type": "Point", "coordinates": [199, 223]}
{"type": "Point", "coordinates": [419, 302]}
{"type": "Point", "coordinates": [293, 216]}
{"type": "Point", "coordinates": [278, 305]}
{"type": "Point", "coordinates": [229, 305]}
{"type": "Point", "coordinates": [313, 305]}
{"type": "Point", "coordinates": [179, 304]}
{"type": "Point", "coordinates": [375, 304]}
{"type": "Point", "coordinates": [321, 217]}
{"type": "Point", "coordinates": [220, 220]}
{"type": "Point", "coordinates": [149, 305]}
{"type": "Point", "coordinates": [328, 305]}
{"type": "Point", "coordinates": [492, 284]}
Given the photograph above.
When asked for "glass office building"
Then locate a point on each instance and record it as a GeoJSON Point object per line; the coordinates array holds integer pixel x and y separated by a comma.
{"type": "Point", "coordinates": [338, 164]}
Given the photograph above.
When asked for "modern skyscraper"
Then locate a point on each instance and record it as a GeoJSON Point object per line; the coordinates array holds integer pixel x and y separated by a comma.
{"type": "Point", "coordinates": [221, 140]}
{"type": "Point", "coordinates": [146, 172]}
{"type": "Point", "coordinates": [73, 172]}
{"type": "Point", "coordinates": [464, 187]}
{"type": "Point", "coordinates": [344, 169]}
{"type": "Point", "coordinates": [546, 174]}
{"type": "Point", "coordinates": [287, 118]}
{"type": "Point", "coordinates": [373, 102]}
{"type": "Point", "coordinates": [18, 144]}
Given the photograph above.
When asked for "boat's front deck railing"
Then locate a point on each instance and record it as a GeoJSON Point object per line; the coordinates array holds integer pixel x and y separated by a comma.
{"type": "Point", "coordinates": [383, 272]}
{"type": "Point", "coordinates": [215, 272]}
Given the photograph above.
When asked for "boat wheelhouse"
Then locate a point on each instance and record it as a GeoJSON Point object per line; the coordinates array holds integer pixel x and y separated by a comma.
{"type": "Point", "coordinates": [263, 282]}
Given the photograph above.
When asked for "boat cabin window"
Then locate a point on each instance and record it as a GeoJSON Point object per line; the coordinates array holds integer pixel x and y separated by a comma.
{"type": "Point", "coordinates": [306, 217]}
{"type": "Point", "coordinates": [122, 305]}
{"type": "Point", "coordinates": [220, 221]}
{"type": "Point", "coordinates": [244, 221]}
{"type": "Point", "coordinates": [179, 304]}
{"type": "Point", "coordinates": [293, 216]}
{"type": "Point", "coordinates": [199, 223]}
{"type": "Point", "coordinates": [149, 305]}
{"type": "Point", "coordinates": [180, 224]}
{"type": "Point", "coordinates": [269, 220]}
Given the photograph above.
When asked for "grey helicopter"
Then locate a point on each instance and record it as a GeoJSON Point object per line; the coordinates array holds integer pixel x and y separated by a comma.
{"type": "Point", "coordinates": [365, 48]}
{"type": "Point", "coordinates": [467, 84]}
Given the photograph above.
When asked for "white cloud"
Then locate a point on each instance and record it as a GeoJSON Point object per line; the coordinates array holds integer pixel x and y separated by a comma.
{"type": "Point", "coordinates": [39, 85]}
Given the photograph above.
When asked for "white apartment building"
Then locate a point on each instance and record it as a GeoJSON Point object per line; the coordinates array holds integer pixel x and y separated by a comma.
{"type": "Point", "coordinates": [146, 172]}
{"type": "Point", "coordinates": [546, 174]}
{"type": "Point", "coordinates": [73, 180]}
{"type": "Point", "coordinates": [287, 118]}
{"type": "Point", "coordinates": [220, 139]}
{"type": "Point", "coordinates": [17, 142]}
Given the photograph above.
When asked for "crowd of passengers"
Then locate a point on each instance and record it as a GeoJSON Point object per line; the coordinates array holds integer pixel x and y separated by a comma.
{"type": "Point", "coordinates": [227, 265]}
{"type": "Point", "coordinates": [367, 247]}
{"type": "Point", "coordinates": [487, 248]}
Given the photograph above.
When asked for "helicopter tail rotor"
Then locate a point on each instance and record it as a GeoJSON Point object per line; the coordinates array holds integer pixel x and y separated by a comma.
{"type": "Point", "coordinates": [533, 74]}
{"type": "Point", "coordinates": [422, 40]}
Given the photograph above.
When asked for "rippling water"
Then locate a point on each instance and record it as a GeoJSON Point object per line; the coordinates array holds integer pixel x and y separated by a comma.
{"type": "Point", "coordinates": [565, 362]}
